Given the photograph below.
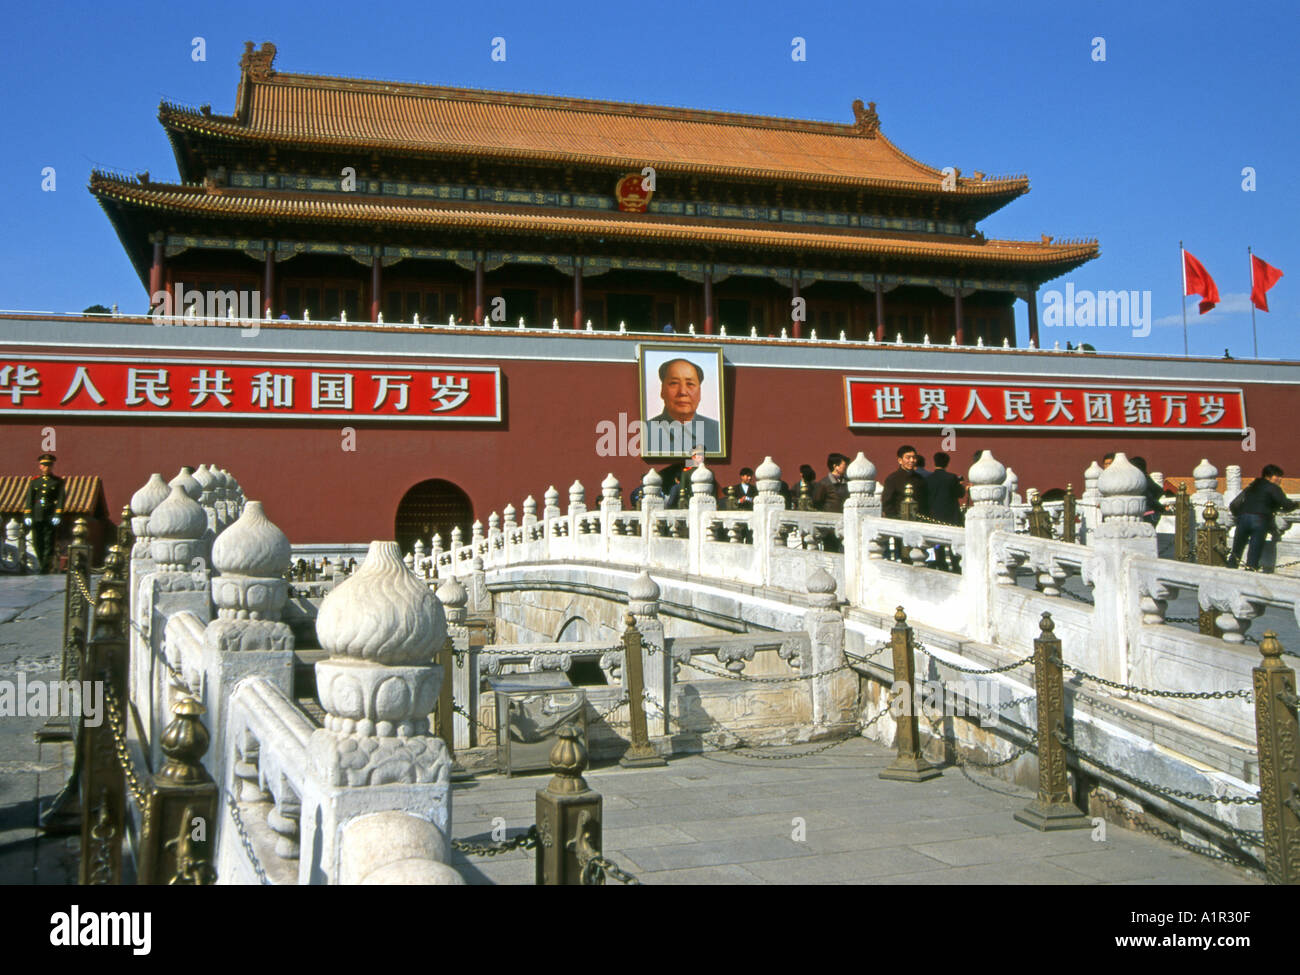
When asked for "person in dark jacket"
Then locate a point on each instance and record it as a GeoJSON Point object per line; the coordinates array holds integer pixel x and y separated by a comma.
{"type": "Point", "coordinates": [1255, 510]}
{"type": "Point", "coordinates": [830, 493]}
{"type": "Point", "coordinates": [891, 499]}
{"type": "Point", "coordinates": [944, 490]}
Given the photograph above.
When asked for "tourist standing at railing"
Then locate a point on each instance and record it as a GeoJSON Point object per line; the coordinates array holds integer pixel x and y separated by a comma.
{"type": "Point", "coordinates": [680, 495]}
{"type": "Point", "coordinates": [746, 490]}
{"type": "Point", "coordinates": [891, 499]}
{"type": "Point", "coordinates": [830, 493]}
{"type": "Point", "coordinates": [945, 491]}
{"type": "Point", "coordinates": [921, 468]}
{"type": "Point", "coordinates": [1254, 509]}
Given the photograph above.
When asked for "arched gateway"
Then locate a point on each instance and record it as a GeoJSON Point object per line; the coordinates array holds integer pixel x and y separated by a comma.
{"type": "Point", "coordinates": [431, 506]}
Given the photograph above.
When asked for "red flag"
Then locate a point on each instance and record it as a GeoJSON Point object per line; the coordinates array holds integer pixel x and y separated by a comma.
{"type": "Point", "coordinates": [1262, 277]}
{"type": "Point", "coordinates": [1197, 281]}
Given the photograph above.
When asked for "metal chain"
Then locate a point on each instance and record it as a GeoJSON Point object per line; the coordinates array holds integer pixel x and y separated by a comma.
{"type": "Point", "coordinates": [1139, 822]}
{"type": "Point", "coordinates": [83, 585]}
{"type": "Point", "coordinates": [246, 841]}
{"type": "Point", "coordinates": [1077, 597]}
{"type": "Point", "coordinates": [857, 734]}
{"type": "Point", "coordinates": [1015, 702]}
{"type": "Point", "coordinates": [1069, 743]}
{"type": "Point", "coordinates": [598, 867]}
{"type": "Point", "coordinates": [871, 656]}
{"type": "Point", "coordinates": [124, 756]}
{"type": "Point", "coordinates": [766, 680]}
{"type": "Point", "coordinates": [524, 841]}
{"type": "Point", "coordinates": [604, 715]}
{"type": "Point", "coordinates": [469, 717]}
{"type": "Point", "coordinates": [936, 733]}
{"type": "Point", "coordinates": [101, 873]}
{"type": "Point", "coordinates": [1150, 692]}
{"type": "Point", "coordinates": [971, 670]}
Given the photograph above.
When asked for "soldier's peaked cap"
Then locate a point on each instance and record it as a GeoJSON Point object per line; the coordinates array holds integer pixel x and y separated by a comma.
{"type": "Point", "coordinates": [46, 459]}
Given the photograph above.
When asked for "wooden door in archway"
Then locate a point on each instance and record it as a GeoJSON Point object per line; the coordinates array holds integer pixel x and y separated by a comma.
{"type": "Point", "coordinates": [432, 506]}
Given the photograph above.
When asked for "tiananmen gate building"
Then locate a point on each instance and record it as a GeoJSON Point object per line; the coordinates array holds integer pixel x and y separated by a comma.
{"type": "Point", "coordinates": [481, 285]}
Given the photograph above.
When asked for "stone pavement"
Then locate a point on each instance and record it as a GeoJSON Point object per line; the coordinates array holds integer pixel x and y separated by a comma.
{"type": "Point", "coordinates": [723, 818]}
{"type": "Point", "coordinates": [31, 628]}
{"type": "Point", "coordinates": [719, 818]}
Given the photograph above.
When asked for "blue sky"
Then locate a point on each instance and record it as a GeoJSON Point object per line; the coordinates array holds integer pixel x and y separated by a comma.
{"type": "Point", "coordinates": [1140, 150]}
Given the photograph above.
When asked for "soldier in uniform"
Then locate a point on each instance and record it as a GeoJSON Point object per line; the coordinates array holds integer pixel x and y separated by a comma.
{"type": "Point", "coordinates": [43, 510]}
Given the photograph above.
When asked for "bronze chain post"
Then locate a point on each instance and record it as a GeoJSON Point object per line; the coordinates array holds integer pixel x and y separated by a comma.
{"type": "Point", "coordinates": [804, 502]}
{"type": "Point", "coordinates": [103, 781]}
{"type": "Point", "coordinates": [639, 754]}
{"type": "Point", "coordinates": [910, 765]}
{"type": "Point", "coordinates": [1068, 531]}
{"type": "Point", "coordinates": [568, 814]}
{"type": "Point", "coordinates": [1052, 810]}
{"type": "Point", "coordinates": [444, 716]}
{"type": "Point", "coordinates": [177, 846]}
{"type": "Point", "coordinates": [1278, 735]}
{"type": "Point", "coordinates": [1211, 549]}
{"type": "Point", "coordinates": [1183, 524]}
{"type": "Point", "coordinates": [76, 621]}
{"type": "Point", "coordinates": [63, 814]}
{"type": "Point", "coordinates": [907, 507]}
{"type": "Point", "coordinates": [1040, 521]}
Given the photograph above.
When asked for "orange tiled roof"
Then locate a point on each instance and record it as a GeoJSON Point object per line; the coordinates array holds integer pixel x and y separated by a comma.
{"type": "Point", "coordinates": [320, 111]}
{"type": "Point", "coordinates": [85, 496]}
{"type": "Point", "coordinates": [368, 211]}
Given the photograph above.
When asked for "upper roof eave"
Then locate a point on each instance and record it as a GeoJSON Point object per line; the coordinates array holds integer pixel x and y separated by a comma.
{"type": "Point", "coordinates": [198, 201]}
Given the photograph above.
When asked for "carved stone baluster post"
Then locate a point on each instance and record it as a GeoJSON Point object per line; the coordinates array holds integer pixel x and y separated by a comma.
{"type": "Point", "coordinates": [1278, 735]}
{"type": "Point", "coordinates": [1205, 476]}
{"type": "Point", "coordinates": [1122, 533]}
{"type": "Point", "coordinates": [862, 503]}
{"type": "Point", "coordinates": [460, 671]}
{"type": "Point", "coordinates": [986, 515]}
{"type": "Point", "coordinates": [381, 628]}
{"type": "Point", "coordinates": [1052, 810]}
{"type": "Point", "coordinates": [1091, 500]}
{"type": "Point", "coordinates": [1231, 488]}
{"type": "Point", "coordinates": [769, 507]}
{"type": "Point", "coordinates": [643, 603]}
{"type": "Point", "coordinates": [910, 765]}
{"type": "Point", "coordinates": [703, 507]}
{"type": "Point", "coordinates": [834, 696]}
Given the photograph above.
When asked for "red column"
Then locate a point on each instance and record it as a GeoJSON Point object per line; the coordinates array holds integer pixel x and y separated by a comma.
{"type": "Point", "coordinates": [1031, 300]}
{"type": "Point", "coordinates": [880, 310]}
{"type": "Point", "coordinates": [577, 294]}
{"type": "Point", "coordinates": [376, 285]}
{"type": "Point", "coordinates": [959, 323]}
{"type": "Point", "coordinates": [708, 301]}
{"type": "Point", "coordinates": [478, 291]}
{"type": "Point", "coordinates": [268, 284]}
{"type": "Point", "coordinates": [796, 326]}
{"type": "Point", "coordinates": [156, 271]}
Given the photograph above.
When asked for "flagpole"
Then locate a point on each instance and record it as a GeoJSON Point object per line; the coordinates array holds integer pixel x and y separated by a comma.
{"type": "Point", "coordinates": [1253, 334]}
{"type": "Point", "coordinates": [1182, 259]}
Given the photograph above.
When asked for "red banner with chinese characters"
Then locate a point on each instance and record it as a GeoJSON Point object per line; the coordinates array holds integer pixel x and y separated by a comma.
{"type": "Point", "coordinates": [88, 386]}
{"type": "Point", "coordinates": [1055, 406]}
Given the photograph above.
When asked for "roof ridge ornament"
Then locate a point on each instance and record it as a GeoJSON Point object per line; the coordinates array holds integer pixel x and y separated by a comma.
{"type": "Point", "coordinates": [866, 121]}
{"type": "Point", "coordinates": [257, 62]}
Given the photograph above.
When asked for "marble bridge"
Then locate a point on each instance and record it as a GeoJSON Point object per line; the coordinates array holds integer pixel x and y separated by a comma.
{"type": "Point", "coordinates": [762, 627]}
